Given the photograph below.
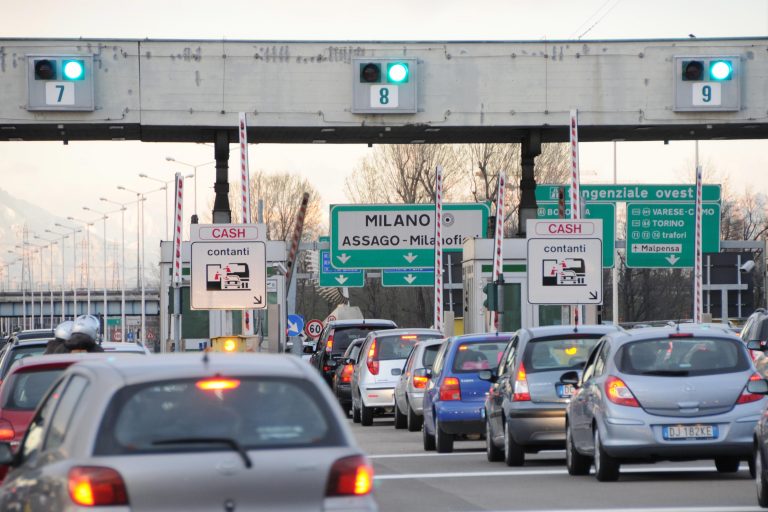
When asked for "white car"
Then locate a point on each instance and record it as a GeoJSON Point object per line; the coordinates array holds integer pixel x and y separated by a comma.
{"type": "Point", "coordinates": [123, 348]}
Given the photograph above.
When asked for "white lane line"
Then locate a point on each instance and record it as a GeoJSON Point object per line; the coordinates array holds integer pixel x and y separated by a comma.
{"type": "Point", "coordinates": [648, 509]}
{"type": "Point", "coordinates": [453, 454]}
{"type": "Point", "coordinates": [538, 472]}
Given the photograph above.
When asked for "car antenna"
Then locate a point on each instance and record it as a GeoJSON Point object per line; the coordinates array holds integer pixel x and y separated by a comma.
{"type": "Point", "coordinates": [205, 358]}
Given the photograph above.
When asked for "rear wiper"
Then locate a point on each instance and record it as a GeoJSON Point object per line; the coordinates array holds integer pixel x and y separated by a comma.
{"type": "Point", "coordinates": [667, 373]}
{"type": "Point", "coordinates": [208, 440]}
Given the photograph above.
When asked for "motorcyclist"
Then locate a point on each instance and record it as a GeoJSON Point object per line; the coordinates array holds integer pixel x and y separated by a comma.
{"type": "Point", "coordinates": [85, 335]}
{"type": "Point", "coordinates": [61, 334]}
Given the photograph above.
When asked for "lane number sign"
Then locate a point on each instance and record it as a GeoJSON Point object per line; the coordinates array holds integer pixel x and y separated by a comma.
{"type": "Point", "coordinates": [384, 96]}
{"type": "Point", "coordinates": [60, 93]}
{"type": "Point", "coordinates": [706, 94]}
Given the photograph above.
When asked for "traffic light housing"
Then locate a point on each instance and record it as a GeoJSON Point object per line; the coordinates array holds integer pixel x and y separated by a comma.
{"type": "Point", "coordinates": [384, 86]}
{"type": "Point", "coordinates": [228, 344]}
{"type": "Point", "coordinates": [707, 83]}
{"type": "Point", "coordinates": [491, 302]}
{"type": "Point", "coordinates": [60, 83]}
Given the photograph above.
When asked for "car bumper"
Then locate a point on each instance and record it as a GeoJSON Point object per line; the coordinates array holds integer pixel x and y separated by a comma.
{"type": "Point", "coordinates": [378, 397]}
{"type": "Point", "coordinates": [344, 393]}
{"type": "Point", "coordinates": [538, 425]}
{"type": "Point", "coordinates": [461, 417]}
{"type": "Point", "coordinates": [416, 401]}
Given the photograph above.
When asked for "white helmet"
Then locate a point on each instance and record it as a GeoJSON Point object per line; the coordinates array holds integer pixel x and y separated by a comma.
{"type": "Point", "coordinates": [64, 330]}
{"type": "Point", "coordinates": [88, 325]}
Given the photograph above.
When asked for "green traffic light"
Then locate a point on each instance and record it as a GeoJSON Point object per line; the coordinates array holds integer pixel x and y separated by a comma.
{"type": "Point", "coordinates": [720, 70]}
{"type": "Point", "coordinates": [397, 72]}
{"type": "Point", "coordinates": [73, 69]}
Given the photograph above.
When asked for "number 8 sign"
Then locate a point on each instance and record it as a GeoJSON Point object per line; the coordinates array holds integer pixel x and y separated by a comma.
{"type": "Point", "coordinates": [384, 96]}
{"type": "Point", "coordinates": [313, 328]}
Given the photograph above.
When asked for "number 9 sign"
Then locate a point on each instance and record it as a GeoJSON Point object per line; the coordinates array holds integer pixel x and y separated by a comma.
{"type": "Point", "coordinates": [313, 328]}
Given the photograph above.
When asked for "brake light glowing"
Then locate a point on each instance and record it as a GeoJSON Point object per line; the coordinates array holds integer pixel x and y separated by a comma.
{"type": "Point", "coordinates": [346, 373]}
{"type": "Point", "coordinates": [619, 393]}
{"type": "Point", "coordinates": [746, 397]}
{"type": "Point", "coordinates": [521, 393]}
{"type": "Point", "coordinates": [450, 389]}
{"type": "Point", "coordinates": [373, 362]}
{"type": "Point", "coordinates": [571, 350]}
{"type": "Point", "coordinates": [6, 431]}
{"type": "Point", "coordinates": [329, 345]}
{"type": "Point", "coordinates": [463, 347]}
{"type": "Point", "coordinates": [420, 382]}
{"type": "Point", "coordinates": [350, 476]}
{"type": "Point", "coordinates": [96, 486]}
{"type": "Point", "coordinates": [217, 384]}
{"type": "Point", "coordinates": [681, 335]}
{"type": "Point", "coordinates": [408, 337]}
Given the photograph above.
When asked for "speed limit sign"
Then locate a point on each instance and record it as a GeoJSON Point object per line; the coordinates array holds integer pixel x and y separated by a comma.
{"type": "Point", "coordinates": [313, 328]}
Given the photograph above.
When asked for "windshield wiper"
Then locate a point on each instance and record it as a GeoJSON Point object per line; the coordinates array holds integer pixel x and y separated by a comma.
{"type": "Point", "coordinates": [208, 440]}
{"type": "Point", "coordinates": [667, 373]}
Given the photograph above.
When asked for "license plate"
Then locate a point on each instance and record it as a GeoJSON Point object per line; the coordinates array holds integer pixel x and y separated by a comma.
{"type": "Point", "coordinates": [675, 432]}
{"type": "Point", "coordinates": [565, 390]}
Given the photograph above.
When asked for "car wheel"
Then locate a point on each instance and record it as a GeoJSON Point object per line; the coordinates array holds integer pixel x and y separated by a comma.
{"type": "Point", "coordinates": [366, 415]}
{"type": "Point", "coordinates": [513, 452]}
{"type": "Point", "coordinates": [355, 414]}
{"type": "Point", "coordinates": [443, 441]}
{"type": "Point", "coordinates": [429, 440]}
{"type": "Point", "coordinates": [576, 463]}
{"type": "Point", "coordinates": [727, 464]}
{"type": "Point", "coordinates": [606, 467]}
{"type": "Point", "coordinates": [761, 479]}
{"type": "Point", "coordinates": [414, 420]}
{"type": "Point", "coordinates": [346, 407]}
{"type": "Point", "coordinates": [401, 420]}
{"type": "Point", "coordinates": [493, 452]}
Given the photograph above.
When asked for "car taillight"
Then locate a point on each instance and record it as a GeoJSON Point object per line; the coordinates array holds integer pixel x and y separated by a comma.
{"type": "Point", "coordinates": [96, 486]}
{"type": "Point", "coordinates": [373, 362]}
{"type": "Point", "coordinates": [350, 476]}
{"type": "Point", "coordinates": [450, 389]}
{"type": "Point", "coordinates": [420, 382]}
{"type": "Point", "coordinates": [329, 345]}
{"type": "Point", "coordinates": [521, 392]}
{"type": "Point", "coordinates": [346, 373]}
{"type": "Point", "coordinates": [6, 431]}
{"type": "Point", "coordinates": [619, 393]}
{"type": "Point", "coordinates": [746, 397]}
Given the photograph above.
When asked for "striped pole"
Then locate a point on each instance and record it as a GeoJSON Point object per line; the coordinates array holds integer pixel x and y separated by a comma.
{"type": "Point", "coordinates": [575, 182]}
{"type": "Point", "coordinates": [697, 284]}
{"type": "Point", "coordinates": [245, 199]}
{"type": "Point", "coordinates": [177, 227]}
{"type": "Point", "coordinates": [498, 238]}
{"type": "Point", "coordinates": [438, 318]}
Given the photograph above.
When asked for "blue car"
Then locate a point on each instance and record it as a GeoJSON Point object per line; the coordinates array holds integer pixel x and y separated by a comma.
{"type": "Point", "coordinates": [455, 395]}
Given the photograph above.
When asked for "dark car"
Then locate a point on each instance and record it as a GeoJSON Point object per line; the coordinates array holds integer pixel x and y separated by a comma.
{"type": "Point", "coordinates": [756, 329]}
{"type": "Point", "coordinates": [21, 345]}
{"type": "Point", "coordinates": [342, 375]}
{"type": "Point", "coordinates": [336, 337]}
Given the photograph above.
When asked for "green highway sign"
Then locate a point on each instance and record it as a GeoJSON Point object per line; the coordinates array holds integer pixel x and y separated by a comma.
{"type": "Point", "coordinates": [662, 235]}
{"type": "Point", "coordinates": [408, 277]}
{"type": "Point", "coordinates": [333, 278]}
{"type": "Point", "coordinates": [604, 211]}
{"type": "Point", "coordinates": [400, 235]}
{"type": "Point", "coordinates": [632, 192]}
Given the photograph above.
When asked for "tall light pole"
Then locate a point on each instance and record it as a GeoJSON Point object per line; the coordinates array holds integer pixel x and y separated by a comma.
{"type": "Point", "coordinates": [171, 159]}
{"type": "Point", "coordinates": [39, 250]}
{"type": "Point", "coordinates": [164, 187]}
{"type": "Point", "coordinates": [23, 292]}
{"type": "Point", "coordinates": [74, 266]}
{"type": "Point", "coordinates": [122, 266]}
{"type": "Point", "coordinates": [61, 250]}
{"type": "Point", "coordinates": [51, 243]}
{"type": "Point", "coordinates": [104, 217]}
{"type": "Point", "coordinates": [87, 224]}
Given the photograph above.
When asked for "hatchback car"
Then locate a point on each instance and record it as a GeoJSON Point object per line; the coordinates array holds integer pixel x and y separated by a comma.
{"type": "Point", "coordinates": [336, 337]}
{"type": "Point", "coordinates": [662, 394]}
{"type": "Point", "coordinates": [17, 349]}
{"type": "Point", "coordinates": [409, 392]}
{"type": "Point", "coordinates": [342, 375]}
{"type": "Point", "coordinates": [235, 431]}
{"type": "Point", "coordinates": [378, 369]}
{"type": "Point", "coordinates": [525, 408]}
{"type": "Point", "coordinates": [455, 395]}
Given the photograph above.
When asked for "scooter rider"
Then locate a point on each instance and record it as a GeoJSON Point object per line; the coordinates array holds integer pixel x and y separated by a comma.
{"type": "Point", "coordinates": [61, 334]}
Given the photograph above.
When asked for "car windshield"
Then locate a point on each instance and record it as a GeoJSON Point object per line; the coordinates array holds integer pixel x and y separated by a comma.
{"type": "Point", "coordinates": [399, 346]}
{"type": "Point", "coordinates": [474, 356]}
{"type": "Point", "coordinates": [681, 357]}
{"type": "Point", "coordinates": [255, 413]}
{"type": "Point", "coordinates": [430, 353]}
{"type": "Point", "coordinates": [344, 336]}
{"type": "Point", "coordinates": [26, 389]}
{"type": "Point", "coordinates": [558, 352]}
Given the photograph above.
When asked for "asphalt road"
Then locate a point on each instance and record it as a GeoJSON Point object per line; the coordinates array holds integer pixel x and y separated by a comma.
{"type": "Point", "coordinates": [410, 479]}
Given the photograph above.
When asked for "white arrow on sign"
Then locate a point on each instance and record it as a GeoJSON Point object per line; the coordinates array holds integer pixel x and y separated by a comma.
{"type": "Point", "coordinates": [410, 257]}
{"type": "Point", "coordinates": [341, 279]}
{"type": "Point", "coordinates": [672, 259]}
{"type": "Point", "coordinates": [343, 257]}
{"type": "Point", "coordinates": [293, 327]}
{"type": "Point", "coordinates": [409, 278]}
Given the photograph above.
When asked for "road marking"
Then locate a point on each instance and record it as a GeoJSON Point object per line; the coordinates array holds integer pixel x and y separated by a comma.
{"type": "Point", "coordinates": [538, 472]}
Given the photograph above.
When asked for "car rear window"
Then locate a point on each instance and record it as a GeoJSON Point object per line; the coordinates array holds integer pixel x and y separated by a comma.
{"type": "Point", "coordinates": [430, 353]}
{"type": "Point", "coordinates": [26, 389]}
{"type": "Point", "coordinates": [21, 352]}
{"type": "Point", "coordinates": [682, 357]}
{"type": "Point", "coordinates": [474, 356]}
{"type": "Point", "coordinates": [558, 352]}
{"type": "Point", "coordinates": [399, 346]}
{"type": "Point", "coordinates": [344, 336]}
{"type": "Point", "coordinates": [259, 413]}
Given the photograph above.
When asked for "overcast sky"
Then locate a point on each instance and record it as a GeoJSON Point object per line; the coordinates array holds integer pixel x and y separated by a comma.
{"type": "Point", "coordinates": [65, 178]}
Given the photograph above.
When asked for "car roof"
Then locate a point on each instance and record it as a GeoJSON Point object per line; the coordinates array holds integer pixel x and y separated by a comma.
{"type": "Point", "coordinates": [403, 331]}
{"type": "Point", "coordinates": [134, 370]}
{"type": "Point", "coordinates": [119, 346]}
{"type": "Point", "coordinates": [663, 332]}
{"type": "Point", "coordinates": [54, 359]}
{"type": "Point", "coordinates": [30, 342]}
{"type": "Point", "coordinates": [556, 330]}
{"type": "Point", "coordinates": [361, 322]}
{"type": "Point", "coordinates": [488, 336]}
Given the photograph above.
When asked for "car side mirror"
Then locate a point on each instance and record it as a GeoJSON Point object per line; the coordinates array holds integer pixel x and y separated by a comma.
{"type": "Point", "coordinates": [758, 345]}
{"type": "Point", "coordinates": [758, 387]}
{"type": "Point", "coordinates": [571, 377]}
{"type": "Point", "coordinates": [7, 457]}
{"type": "Point", "coordinates": [486, 375]}
{"type": "Point", "coordinates": [332, 363]}
{"type": "Point", "coordinates": [422, 372]}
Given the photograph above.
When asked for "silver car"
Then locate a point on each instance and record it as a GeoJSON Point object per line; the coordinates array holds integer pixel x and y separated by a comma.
{"type": "Point", "coordinates": [409, 392]}
{"type": "Point", "coordinates": [188, 432]}
{"type": "Point", "coordinates": [662, 394]}
{"type": "Point", "coordinates": [378, 369]}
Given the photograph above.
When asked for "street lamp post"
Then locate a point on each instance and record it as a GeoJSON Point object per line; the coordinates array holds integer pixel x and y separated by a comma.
{"type": "Point", "coordinates": [122, 266]}
{"type": "Point", "coordinates": [87, 225]}
{"type": "Point", "coordinates": [51, 243]}
{"type": "Point", "coordinates": [74, 266]}
{"type": "Point", "coordinates": [61, 247]}
{"type": "Point", "coordinates": [171, 159]}
{"type": "Point", "coordinates": [105, 216]}
{"type": "Point", "coordinates": [164, 187]}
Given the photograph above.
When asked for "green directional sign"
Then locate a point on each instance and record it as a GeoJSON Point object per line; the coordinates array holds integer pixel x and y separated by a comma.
{"type": "Point", "coordinates": [662, 235]}
{"type": "Point", "coordinates": [408, 277]}
{"type": "Point", "coordinates": [400, 235]}
{"type": "Point", "coordinates": [334, 278]}
{"type": "Point", "coordinates": [632, 192]}
{"type": "Point", "coordinates": [604, 211]}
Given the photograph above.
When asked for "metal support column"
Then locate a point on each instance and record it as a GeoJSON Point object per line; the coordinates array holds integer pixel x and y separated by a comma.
{"type": "Point", "coordinates": [222, 214]}
{"type": "Point", "coordinates": [530, 149]}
